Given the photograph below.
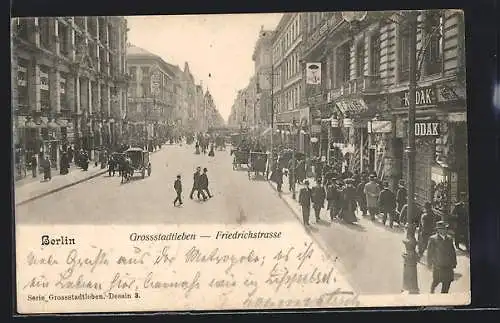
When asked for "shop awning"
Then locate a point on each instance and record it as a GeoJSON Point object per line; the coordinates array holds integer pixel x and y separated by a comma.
{"type": "Point", "coordinates": [351, 106]}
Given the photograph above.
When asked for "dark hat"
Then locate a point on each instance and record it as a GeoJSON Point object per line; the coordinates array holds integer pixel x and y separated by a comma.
{"type": "Point", "coordinates": [178, 176]}
{"type": "Point", "coordinates": [306, 182]}
{"type": "Point", "coordinates": [441, 225]}
{"type": "Point", "coordinates": [205, 169]}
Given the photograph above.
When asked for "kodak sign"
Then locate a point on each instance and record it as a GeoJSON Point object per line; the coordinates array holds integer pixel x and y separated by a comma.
{"type": "Point", "coordinates": [427, 128]}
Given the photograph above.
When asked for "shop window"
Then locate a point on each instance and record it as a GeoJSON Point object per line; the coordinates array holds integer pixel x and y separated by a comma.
{"type": "Point", "coordinates": [22, 83]}
{"type": "Point", "coordinates": [404, 53]}
{"type": "Point", "coordinates": [375, 53]}
{"type": "Point", "coordinates": [360, 58]}
{"type": "Point", "coordinates": [44, 24]}
{"type": "Point", "coordinates": [434, 52]}
{"type": "Point", "coordinates": [44, 88]}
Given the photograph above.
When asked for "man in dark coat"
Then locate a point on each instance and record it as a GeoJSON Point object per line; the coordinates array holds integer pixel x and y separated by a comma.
{"type": "Point", "coordinates": [333, 198]}
{"type": "Point", "coordinates": [196, 182]}
{"type": "Point", "coordinates": [178, 190]}
{"type": "Point", "coordinates": [277, 177]}
{"type": "Point", "coordinates": [387, 203]}
{"type": "Point", "coordinates": [305, 201]}
{"type": "Point", "coordinates": [441, 258]}
{"type": "Point", "coordinates": [318, 199]}
{"type": "Point", "coordinates": [427, 228]}
{"type": "Point", "coordinates": [34, 165]}
{"type": "Point", "coordinates": [460, 220]}
{"type": "Point", "coordinates": [204, 185]}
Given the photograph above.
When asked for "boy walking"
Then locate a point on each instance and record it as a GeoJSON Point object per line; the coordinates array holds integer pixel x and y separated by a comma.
{"type": "Point", "coordinates": [178, 190]}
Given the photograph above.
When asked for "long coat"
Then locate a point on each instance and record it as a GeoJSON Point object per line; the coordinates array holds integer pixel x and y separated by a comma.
{"type": "Point", "coordinates": [318, 197]}
{"type": "Point", "coordinates": [305, 196]}
{"type": "Point", "coordinates": [442, 257]}
{"type": "Point", "coordinates": [372, 191]}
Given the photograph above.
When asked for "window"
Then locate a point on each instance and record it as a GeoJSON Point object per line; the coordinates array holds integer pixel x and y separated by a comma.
{"type": "Point", "coordinates": [23, 28]}
{"type": "Point", "coordinates": [44, 88]}
{"type": "Point", "coordinates": [360, 58]}
{"type": "Point", "coordinates": [64, 39]}
{"type": "Point", "coordinates": [22, 83]}
{"type": "Point", "coordinates": [404, 53]}
{"type": "Point", "coordinates": [343, 64]}
{"type": "Point", "coordinates": [44, 25]}
{"type": "Point", "coordinates": [62, 90]}
{"type": "Point", "coordinates": [434, 53]}
{"type": "Point", "coordinates": [375, 53]}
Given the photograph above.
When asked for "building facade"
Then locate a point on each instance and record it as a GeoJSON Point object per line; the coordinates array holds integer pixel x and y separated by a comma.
{"type": "Point", "coordinates": [262, 58]}
{"type": "Point", "coordinates": [291, 121]}
{"type": "Point", "coordinates": [151, 101]}
{"type": "Point", "coordinates": [361, 104]}
{"type": "Point", "coordinates": [69, 85]}
{"type": "Point", "coordinates": [212, 116]}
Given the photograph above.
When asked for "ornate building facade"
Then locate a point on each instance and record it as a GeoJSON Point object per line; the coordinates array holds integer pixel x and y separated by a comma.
{"type": "Point", "coordinates": [69, 85]}
{"type": "Point", "coordinates": [150, 97]}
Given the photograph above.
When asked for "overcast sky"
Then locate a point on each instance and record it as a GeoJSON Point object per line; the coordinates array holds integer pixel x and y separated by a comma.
{"type": "Point", "coordinates": [218, 48]}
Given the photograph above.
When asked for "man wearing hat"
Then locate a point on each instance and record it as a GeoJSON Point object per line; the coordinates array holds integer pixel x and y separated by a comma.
{"type": "Point", "coordinates": [387, 203]}
{"type": "Point", "coordinates": [427, 228]}
{"type": "Point", "coordinates": [305, 201]}
{"type": "Point", "coordinates": [372, 191]}
{"type": "Point", "coordinates": [441, 258]}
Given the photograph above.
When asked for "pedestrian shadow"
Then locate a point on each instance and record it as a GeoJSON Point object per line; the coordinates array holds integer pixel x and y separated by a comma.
{"type": "Point", "coordinates": [323, 223]}
{"type": "Point", "coordinates": [387, 228]}
{"type": "Point", "coordinates": [457, 276]}
{"type": "Point", "coordinates": [310, 228]}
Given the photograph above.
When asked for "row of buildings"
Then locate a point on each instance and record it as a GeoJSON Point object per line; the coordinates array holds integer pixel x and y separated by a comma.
{"type": "Point", "coordinates": [340, 86]}
{"type": "Point", "coordinates": [77, 82]}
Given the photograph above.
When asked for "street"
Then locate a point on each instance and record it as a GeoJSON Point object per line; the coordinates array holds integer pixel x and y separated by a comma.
{"type": "Point", "coordinates": [369, 253]}
{"type": "Point", "coordinates": [103, 200]}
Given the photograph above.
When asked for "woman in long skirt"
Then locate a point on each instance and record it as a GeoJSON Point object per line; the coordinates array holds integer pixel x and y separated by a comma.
{"type": "Point", "coordinates": [349, 203]}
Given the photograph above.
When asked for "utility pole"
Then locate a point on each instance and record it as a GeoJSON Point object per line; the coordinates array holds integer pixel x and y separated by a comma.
{"type": "Point", "coordinates": [410, 281]}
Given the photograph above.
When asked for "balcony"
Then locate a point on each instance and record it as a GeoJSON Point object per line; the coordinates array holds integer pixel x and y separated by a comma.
{"type": "Point", "coordinates": [365, 85]}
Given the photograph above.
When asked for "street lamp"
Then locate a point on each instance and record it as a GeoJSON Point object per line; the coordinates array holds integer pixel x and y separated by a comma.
{"type": "Point", "coordinates": [410, 281]}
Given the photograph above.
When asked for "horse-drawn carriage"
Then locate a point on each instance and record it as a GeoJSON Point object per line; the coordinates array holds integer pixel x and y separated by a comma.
{"type": "Point", "coordinates": [258, 163]}
{"type": "Point", "coordinates": [240, 157]}
{"type": "Point", "coordinates": [136, 160]}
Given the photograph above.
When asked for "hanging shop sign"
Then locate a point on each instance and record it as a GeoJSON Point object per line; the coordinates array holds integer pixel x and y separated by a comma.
{"type": "Point", "coordinates": [352, 106]}
{"type": "Point", "coordinates": [313, 73]}
{"type": "Point", "coordinates": [428, 128]}
{"type": "Point", "coordinates": [379, 126]}
{"type": "Point", "coordinates": [423, 96]}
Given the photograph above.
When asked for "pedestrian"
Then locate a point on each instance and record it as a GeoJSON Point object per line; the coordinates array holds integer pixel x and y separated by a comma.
{"type": "Point", "coordinates": [178, 190]}
{"type": "Point", "coordinates": [333, 198]}
{"type": "Point", "coordinates": [112, 163]}
{"type": "Point", "coordinates": [372, 191]}
{"type": "Point", "coordinates": [196, 182]}
{"type": "Point", "coordinates": [441, 258]}
{"type": "Point", "coordinates": [361, 195]}
{"type": "Point", "coordinates": [305, 202]}
{"type": "Point", "coordinates": [46, 166]}
{"type": "Point", "coordinates": [318, 199]}
{"type": "Point", "coordinates": [64, 164]}
{"type": "Point", "coordinates": [387, 203]}
{"type": "Point", "coordinates": [348, 202]}
{"type": "Point", "coordinates": [427, 228]}
{"type": "Point", "coordinates": [460, 220]}
{"type": "Point", "coordinates": [211, 153]}
{"type": "Point", "coordinates": [197, 148]}
{"type": "Point", "coordinates": [34, 165]}
{"type": "Point", "coordinates": [204, 185]}
{"type": "Point", "coordinates": [401, 199]}
{"type": "Point", "coordinates": [277, 177]}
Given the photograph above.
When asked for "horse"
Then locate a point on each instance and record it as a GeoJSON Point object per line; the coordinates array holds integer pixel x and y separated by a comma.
{"type": "Point", "coordinates": [126, 170]}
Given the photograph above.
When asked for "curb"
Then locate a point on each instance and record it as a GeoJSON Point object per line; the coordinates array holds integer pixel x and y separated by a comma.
{"type": "Point", "coordinates": [55, 190]}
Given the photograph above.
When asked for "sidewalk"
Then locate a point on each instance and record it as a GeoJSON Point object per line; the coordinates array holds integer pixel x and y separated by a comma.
{"type": "Point", "coordinates": [29, 189]}
{"type": "Point", "coordinates": [371, 253]}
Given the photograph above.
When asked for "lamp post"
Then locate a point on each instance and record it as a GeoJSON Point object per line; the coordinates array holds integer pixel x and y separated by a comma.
{"type": "Point", "coordinates": [294, 130]}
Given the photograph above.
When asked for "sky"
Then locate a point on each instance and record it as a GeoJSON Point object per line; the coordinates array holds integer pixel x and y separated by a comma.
{"type": "Point", "coordinates": [218, 48]}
